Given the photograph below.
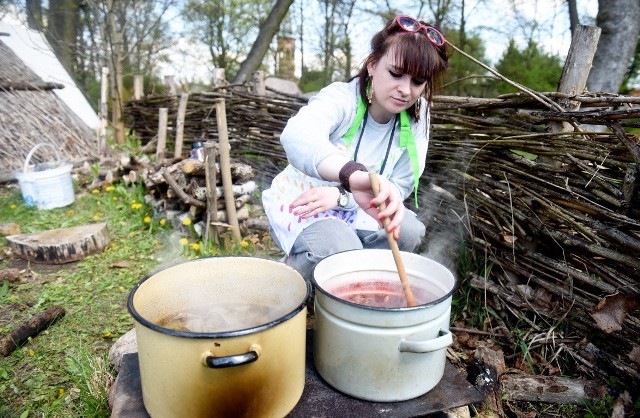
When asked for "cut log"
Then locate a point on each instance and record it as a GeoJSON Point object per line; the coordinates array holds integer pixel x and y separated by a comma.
{"type": "Point", "coordinates": [31, 328]}
{"type": "Point", "coordinates": [59, 246]}
{"type": "Point", "coordinates": [9, 229]}
{"type": "Point", "coordinates": [550, 389]}
{"type": "Point", "coordinates": [11, 275]}
{"type": "Point", "coordinates": [487, 369]}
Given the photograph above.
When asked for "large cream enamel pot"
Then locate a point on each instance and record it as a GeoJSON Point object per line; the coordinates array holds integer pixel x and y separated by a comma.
{"type": "Point", "coordinates": [253, 372]}
{"type": "Point", "coordinates": [381, 354]}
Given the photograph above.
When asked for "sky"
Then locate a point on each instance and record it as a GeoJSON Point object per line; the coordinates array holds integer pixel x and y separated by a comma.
{"type": "Point", "coordinates": [495, 20]}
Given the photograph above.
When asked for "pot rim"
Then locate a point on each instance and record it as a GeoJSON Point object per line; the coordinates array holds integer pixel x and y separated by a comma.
{"type": "Point", "coordinates": [198, 335]}
{"type": "Point", "coordinates": [381, 309]}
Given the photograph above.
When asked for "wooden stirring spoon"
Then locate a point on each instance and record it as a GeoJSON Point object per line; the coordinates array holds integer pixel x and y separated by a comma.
{"type": "Point", "coordinates": [406, 286]}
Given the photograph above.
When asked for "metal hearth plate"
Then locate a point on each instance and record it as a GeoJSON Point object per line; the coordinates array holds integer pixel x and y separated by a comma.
{"type": "Point", "coordinates": [318, 398]}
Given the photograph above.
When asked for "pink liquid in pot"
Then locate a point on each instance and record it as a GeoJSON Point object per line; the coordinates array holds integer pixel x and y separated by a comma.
{"type": "Point", "coordinates": [381, 294]}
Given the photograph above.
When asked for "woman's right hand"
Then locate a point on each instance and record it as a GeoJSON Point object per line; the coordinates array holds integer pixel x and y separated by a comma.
{"type": "Point", "coordinates": [363, 194]}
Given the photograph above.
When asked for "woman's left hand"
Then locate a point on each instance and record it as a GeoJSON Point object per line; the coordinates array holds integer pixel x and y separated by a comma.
{"type": "Point", "coordinates": [314, 201]}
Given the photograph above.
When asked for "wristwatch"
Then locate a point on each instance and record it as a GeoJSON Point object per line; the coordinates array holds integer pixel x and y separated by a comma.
{"type": "Point", "coordinates": [343, 199]}
{"type": "Point", "coordinates": [347, 170]}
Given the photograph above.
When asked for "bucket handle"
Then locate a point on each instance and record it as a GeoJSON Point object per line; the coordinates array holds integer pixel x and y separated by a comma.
{"type": "Point", "coordinates": [443, 340]}
{"type": "Point", "coordinates": [231, 361]}
{"type": "Point", "coordinates": [34, 149]}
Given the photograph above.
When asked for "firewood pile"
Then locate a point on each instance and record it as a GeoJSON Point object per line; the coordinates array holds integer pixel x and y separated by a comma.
{"type": "Point", "coordinates": [551, 216]}
{"type": "Point", "coordinates": [180, 190]}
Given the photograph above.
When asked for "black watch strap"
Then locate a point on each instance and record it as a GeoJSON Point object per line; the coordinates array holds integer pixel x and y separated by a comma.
{"type": "Point", "coordinates": [347, 170]}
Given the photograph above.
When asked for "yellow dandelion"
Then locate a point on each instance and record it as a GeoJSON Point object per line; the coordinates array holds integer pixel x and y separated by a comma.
{"type": "Point", "coordinates": [136, 205]}
{"type": "Point", "coordinates": [147, 219]}
{"type": "Point", "coordinates": [31, 353]}
{"type": "Point", "coordinates": [70, 212]}
{"type": "Point", "coordinates": [13, 206]}
{"type": "Point", "coordinates": [121, 288]}
{"type": "Point", "coordinates": [195, 246]}
{"type": "Point", "coordinates": [183, 241]}
{"type": "Point", "coordinates": [163, 221]}
{"type": "Point", "coordinates": [186, 221]}
{"type": "Point", "coordinates": [244, 244]}
{"type": "Point", "coordinates": [95, 191]}
{"type": "Point", "coordinates": [96, 217]}
{"type": "Point", "coordinates": [60, 393]}
{"type": "Point", "coordinates": [106, 334]}
{"type": "Point", "coordinates": [109, 188]}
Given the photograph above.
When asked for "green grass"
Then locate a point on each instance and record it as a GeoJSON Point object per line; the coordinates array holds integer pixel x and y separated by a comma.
{"type": "Point", "coordinates": [64, 371]}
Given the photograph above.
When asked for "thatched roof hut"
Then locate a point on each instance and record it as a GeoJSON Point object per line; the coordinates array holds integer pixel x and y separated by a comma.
{"type": "Point", "coordinates": [31, 113]}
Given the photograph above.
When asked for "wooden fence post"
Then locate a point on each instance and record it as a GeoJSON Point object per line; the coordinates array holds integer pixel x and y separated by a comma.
{"type": "Point", "coordinates": [225, 170]}
{"type": "Point", "coordinates": [182, 110]}
{"type": "Point", "coordinates": [576, 70]}
{"type": "Point", "coordinates": [163, 118]}
{"type": "Point", "coordinates": [211, 183]}
{"type": "Point", "coordinates": [218, 78]}
{"type": "Point", "coordinates": [104, 92]}
{"type": "Point", "coordinates": [138, 86]}
{"type": "Point", "coordinates": [170, 85]}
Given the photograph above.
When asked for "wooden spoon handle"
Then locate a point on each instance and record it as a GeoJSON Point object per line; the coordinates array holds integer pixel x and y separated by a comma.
{"type": "Point", "coordinates": [406, 286]}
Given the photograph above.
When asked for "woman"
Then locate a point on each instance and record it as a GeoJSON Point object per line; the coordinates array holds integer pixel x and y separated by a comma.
{"type": "Point", "coordinates": [322, 202]}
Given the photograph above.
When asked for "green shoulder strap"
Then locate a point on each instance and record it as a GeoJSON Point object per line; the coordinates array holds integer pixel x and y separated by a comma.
{"type": "Point", "coordinates": [406, 140]}
{"type": "Point", "coordinates": [348, 137]}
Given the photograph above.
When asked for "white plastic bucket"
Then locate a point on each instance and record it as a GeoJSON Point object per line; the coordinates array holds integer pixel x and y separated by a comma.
{"type": "Point", "coordinates": [46, 185]}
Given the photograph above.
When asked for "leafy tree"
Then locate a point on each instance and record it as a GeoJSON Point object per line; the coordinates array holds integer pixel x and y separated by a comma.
{"type": "Point", "coordinates": [128, 37]}
{"type": "Point", "coordinates": [228, 28]}
{"type": "Point", "coordinates": [530, 67]}
{"type": "Point", "coordinates": [464, 77]}
{"type": "Point", "coordinates": [268, 29]}
{"type": "Point", "coordinates": [311, 80]}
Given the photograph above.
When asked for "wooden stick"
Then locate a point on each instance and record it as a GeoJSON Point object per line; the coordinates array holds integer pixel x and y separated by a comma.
{"type": "Point", "coordinates": [163, 117]}
{"type": "Point", "coordinates": [181, 193]}
{"type": "Point", "coordinates": [406, 286]}
{"type": "Point", "coordinates": [225, 170]}
{"type": "Point", "coordinates": [182, 109]}
{"type": "Point", "coordinates": [31, 328]}
{"type": "Point", "coordinates": [211, 180]}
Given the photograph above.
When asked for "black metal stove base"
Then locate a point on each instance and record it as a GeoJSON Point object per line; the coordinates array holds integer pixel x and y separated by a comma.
{"type": "Point", "coordinates": [318, 398]}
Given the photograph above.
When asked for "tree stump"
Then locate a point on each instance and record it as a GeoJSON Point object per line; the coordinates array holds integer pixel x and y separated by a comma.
{"type": "Point", "coordinates": [59, 246]}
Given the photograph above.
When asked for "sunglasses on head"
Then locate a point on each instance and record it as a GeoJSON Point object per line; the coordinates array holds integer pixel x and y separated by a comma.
{"type": "Point", "coordinates": [411, 25]}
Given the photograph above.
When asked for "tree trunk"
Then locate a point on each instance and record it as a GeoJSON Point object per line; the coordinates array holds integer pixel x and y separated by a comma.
{"type": "Point", "coordinates": [620, 23]}
{"type": "Point", "coordinates": [574, 20]}
{"type": "Point", "coordinates": [261, 45]}
{"type": "Point", "coordinates": [34, 14]}
{"type": "Point", "coordinates": [115, 71]}
{"type": "Point", "coordinates": [62, 28]}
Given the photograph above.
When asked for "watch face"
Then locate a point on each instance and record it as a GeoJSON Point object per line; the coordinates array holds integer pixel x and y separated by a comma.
{"type": "Point", "coordinates": [343, 200]}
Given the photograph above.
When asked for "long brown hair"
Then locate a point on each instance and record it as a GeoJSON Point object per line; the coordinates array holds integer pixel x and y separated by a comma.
{"type": "Point", "coordinates": [415, 55]}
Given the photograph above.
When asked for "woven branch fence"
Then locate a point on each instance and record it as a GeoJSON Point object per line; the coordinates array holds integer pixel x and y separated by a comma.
{"type": "Point", "coordinates": [553, 218]}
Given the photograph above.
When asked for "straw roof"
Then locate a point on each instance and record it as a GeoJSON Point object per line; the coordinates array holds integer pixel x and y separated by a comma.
{"type": "Point", "coordinates": [30, 114]}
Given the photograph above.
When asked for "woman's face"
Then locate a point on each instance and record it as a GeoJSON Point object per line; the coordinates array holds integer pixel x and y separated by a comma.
{"type": "Point", "coordinates": [393, 91]}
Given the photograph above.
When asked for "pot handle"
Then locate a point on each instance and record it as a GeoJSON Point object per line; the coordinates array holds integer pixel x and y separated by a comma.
{"type": "Point", "coordinates": [443, 340]}
{"type": "Point", "coordinates": [231, 361]}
